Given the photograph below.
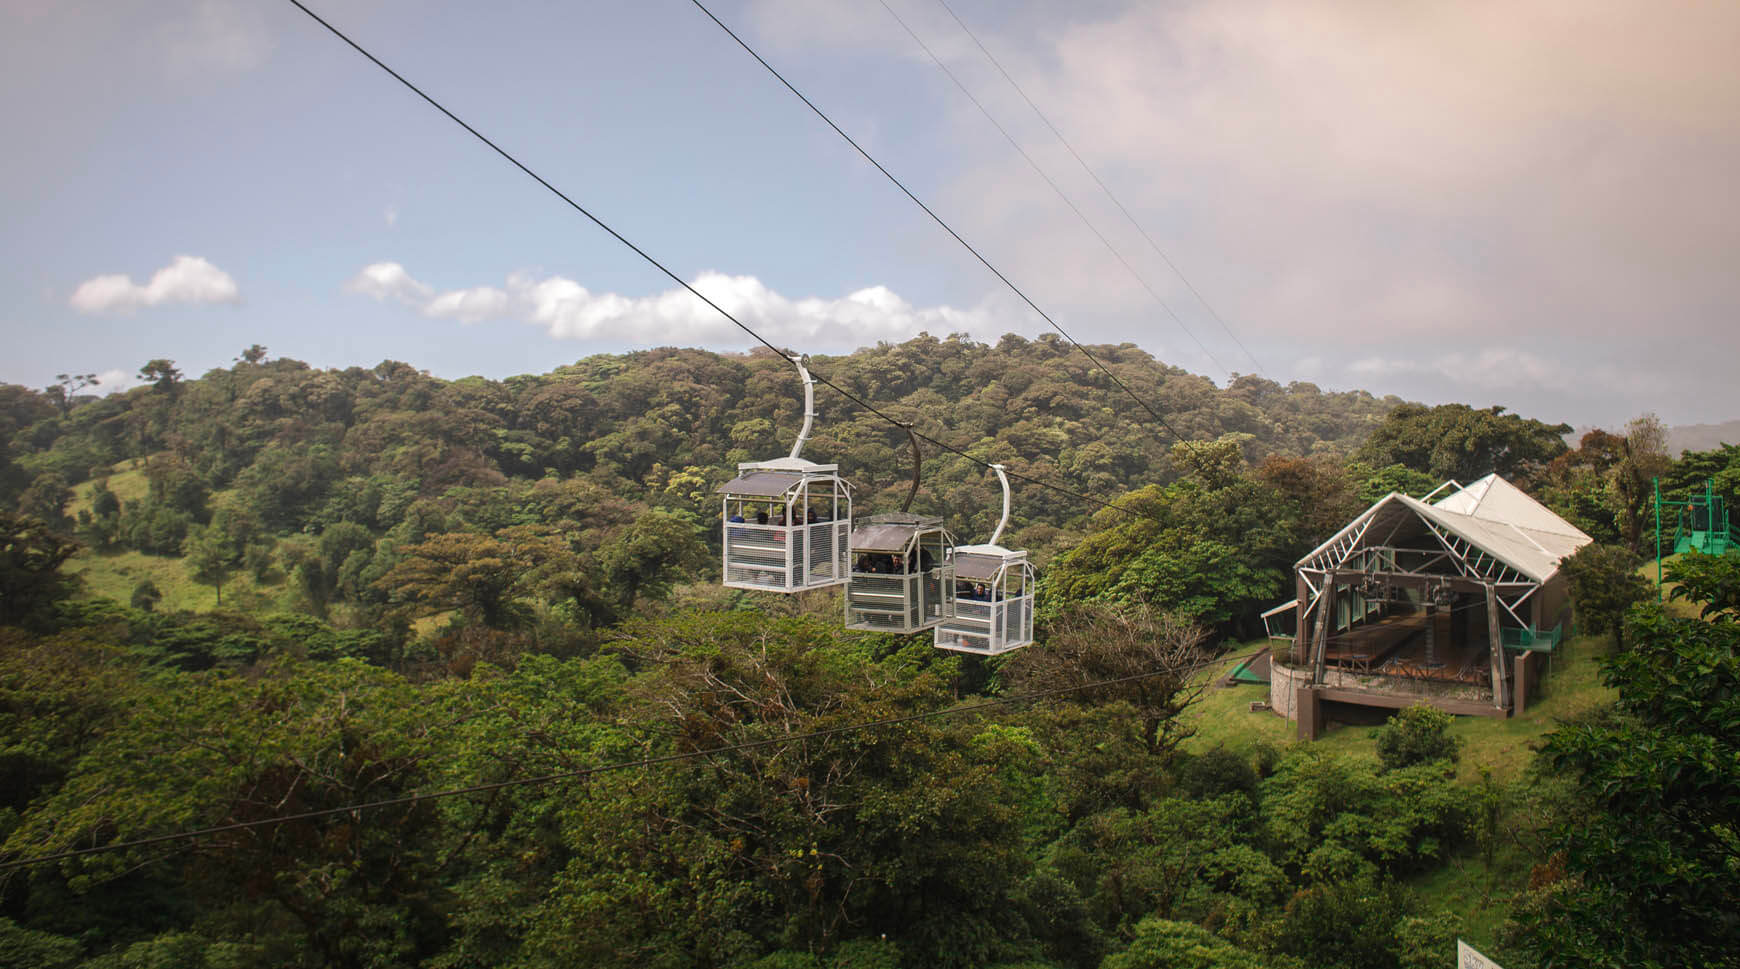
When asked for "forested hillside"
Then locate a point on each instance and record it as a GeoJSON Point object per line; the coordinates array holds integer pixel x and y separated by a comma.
{"type": "Point", "coordinates": [276, 591]}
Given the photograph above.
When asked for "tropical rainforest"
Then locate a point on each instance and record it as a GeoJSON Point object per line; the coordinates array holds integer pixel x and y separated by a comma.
{"type": "Point", "coordinates": [364, 667]}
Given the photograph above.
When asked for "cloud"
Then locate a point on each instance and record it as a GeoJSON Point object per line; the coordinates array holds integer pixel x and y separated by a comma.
{"type": "Point", "coordinates": [1352, 181]}
{"type": "Point", "coordinates": [389, 281]}
{"type": "Point", "coordinates": [569, 311]}
{"type": "Point", "coordinates": [116, 380]}
{"type": "Point", "coordinates": [188, 279]}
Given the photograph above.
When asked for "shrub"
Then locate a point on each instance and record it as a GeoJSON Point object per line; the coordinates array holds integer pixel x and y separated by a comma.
{"type": "Point", "coordinates": [1417, 735]}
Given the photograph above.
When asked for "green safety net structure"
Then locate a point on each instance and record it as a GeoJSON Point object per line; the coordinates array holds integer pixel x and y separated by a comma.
{"type": "Point", "coordinates": [1699, 522]}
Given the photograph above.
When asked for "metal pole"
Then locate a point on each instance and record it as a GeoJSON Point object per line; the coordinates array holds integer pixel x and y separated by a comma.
{"type": "Point", "coordinates": [1656, 483]}
{"type": "Point", "coordinates": [797, 448]}
{"type": "Point", "coordinates": [917, 459]}
{"type": "Point", "coordinates": [1004, 479]}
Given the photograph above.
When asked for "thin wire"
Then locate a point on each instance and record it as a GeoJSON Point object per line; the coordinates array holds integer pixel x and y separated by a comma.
{"type": "Point", "coordinates": [1104, 187]}
{"type": "Point", "coordinates": [1138, 277]}
{"type": "Point", "coordinates": [576, 206]}
{"type": "Point", "coordinates": [611, 768]}
{"type": "Point", "coordinates": [939, 221]}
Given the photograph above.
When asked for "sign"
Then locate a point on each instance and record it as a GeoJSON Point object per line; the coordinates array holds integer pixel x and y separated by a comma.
{"type": "Point", "coordinates": [1467, 957]}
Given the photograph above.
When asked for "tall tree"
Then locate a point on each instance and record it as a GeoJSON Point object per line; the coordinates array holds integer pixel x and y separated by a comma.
{"type": "Point", "coordinates": [1651, 871]}
{"type": "Point", "coordinates": [30, 578]}
{"type": "Point", "coordinates": [66, 387]}
{"type": "Point", "coordinates": [1458, 441]}
{"type": "Point", "coordinates": [161, 374]}
{"type": "Point", "coordinates": [1604, 585]}
{"type": "Point", "coordinates": [483, 577]}
{"type": "Point", "coordinates": [1156, 655]}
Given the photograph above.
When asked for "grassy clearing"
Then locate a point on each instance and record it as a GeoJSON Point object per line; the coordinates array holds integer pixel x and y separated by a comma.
{"type": "Point", "coordinates": [128, 482]}
{"type": "Point", "coordinates": [1224, 718]}
{"type": "Point", "coordinates": [1477, 900]}
{"type": "Point", "coordinates": [113, 575]}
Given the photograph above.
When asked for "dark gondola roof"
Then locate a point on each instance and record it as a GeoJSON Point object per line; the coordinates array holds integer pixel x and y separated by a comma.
{"type": "Point", "coordinates": [761, 484]}
{"type": "Point", "coordinates": [977, 567]}
{"type": "Point", "coordinates": [891, 532]}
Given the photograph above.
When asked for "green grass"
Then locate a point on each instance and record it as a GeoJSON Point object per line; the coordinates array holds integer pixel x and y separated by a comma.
{"type": "Point", "coordinates": [1477, 901]}
{"type": "Point", "coordinates": [113, 575]}
{"type": "Point", "coordinates": [128, 482]}
{"type": "Point", "coordinates": [1223, 717]}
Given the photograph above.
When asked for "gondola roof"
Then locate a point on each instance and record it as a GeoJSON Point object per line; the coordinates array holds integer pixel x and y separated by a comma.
{"type": "Point", "coordinates": [761, 484]}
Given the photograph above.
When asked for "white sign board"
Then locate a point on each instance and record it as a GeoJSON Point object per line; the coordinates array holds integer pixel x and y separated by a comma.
{"type": "Point", "coordinates": [1468, 958]}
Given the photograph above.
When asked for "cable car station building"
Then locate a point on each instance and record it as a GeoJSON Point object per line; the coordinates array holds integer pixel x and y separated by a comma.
{"type": "Point", "coordinates": [1456, 603]}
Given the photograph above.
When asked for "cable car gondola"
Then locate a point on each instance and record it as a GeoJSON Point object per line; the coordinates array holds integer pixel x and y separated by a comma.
{"type": "Point", "coordinates": [787, 522]}
{"type": "Point", "coordinates": [902, 581]}
{"type": "Point", "coordinates": [993, 604]}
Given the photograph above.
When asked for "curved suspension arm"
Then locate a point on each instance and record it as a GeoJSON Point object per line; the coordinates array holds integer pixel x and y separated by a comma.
{"type": "Point", "coordinates": [917, 459]}
{"type": "Point", "coordinates": [1001, 477]}
{"type": "Point", "coordinates": [803, 437]}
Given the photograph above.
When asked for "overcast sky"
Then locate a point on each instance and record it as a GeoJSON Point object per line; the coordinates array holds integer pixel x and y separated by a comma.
{"type": "Point", "coordinates": [1523, 202]}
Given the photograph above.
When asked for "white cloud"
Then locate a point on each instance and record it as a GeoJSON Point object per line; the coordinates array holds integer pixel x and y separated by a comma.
{"type": "Point", "coordinates": [189, 279]}
{"type": "Point", "coordinates": [389, 280]}
{"type": "Point", "coordinates": [570, 311]}
{"type": "Point", "coordinates": [116, 380]}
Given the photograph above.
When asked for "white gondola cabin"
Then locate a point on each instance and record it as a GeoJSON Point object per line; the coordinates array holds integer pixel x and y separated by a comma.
{"type": "Point", "coordinates": [902, 580]}
{"type": "Point", "coordinates": [993, 603]}
{"type": "Point", "coordinates": [787, 526]}
{"type": "Point", "coordinates": [787, 522]}
{"type": "Point", "coordinates": [992, 612]}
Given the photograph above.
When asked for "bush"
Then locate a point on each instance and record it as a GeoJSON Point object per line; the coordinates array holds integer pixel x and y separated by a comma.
{"type": "Point", "coordinates": [1417, 735]}
{"type": "Point", "coordinates": [1345, 926]}
{"type": "Point", "coordinates": [146, 595]}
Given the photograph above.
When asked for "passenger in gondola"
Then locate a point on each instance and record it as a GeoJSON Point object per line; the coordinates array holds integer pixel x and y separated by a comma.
{"type": "Point", "coordinates": [926, 561]}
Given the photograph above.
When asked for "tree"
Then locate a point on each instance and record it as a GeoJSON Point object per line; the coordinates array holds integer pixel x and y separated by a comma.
{"type": "Point", "coordinates": [31, 582]}
{"type": "Point", "coordinates": [1460, 442]}
{"type": "Point", "coordinates": [1647, 874]}
{"type": "Point", "coordinates": [66, 387]}
{"type": "Point", "coordinates": [1417, 735]}
{"type": "Point", "coordinates": [46, 500]}
{"type": "Point", "coordinates": [161, 374]}
{"type": "Point", "coordinates": [1163, 944]}
{"type": "Point", "coordinates": [481, 576]}
{"type": "Point", "coordinates": [1604, 584]}
{"type": "Point", "coordinates": [146, 595]}
{"type": "Point", "coordinates": [255, 354]}
{"type": "Point", "coordinates": [1158, 653]}
{"type": "Point", "coordinates": [340, 889]}
{"type": "Point", "coordinates": [211, 555]}
{"type": "Point", "coordinates": [1713, 580]}
{"type": "Point", "coordinates": [1645, 458]}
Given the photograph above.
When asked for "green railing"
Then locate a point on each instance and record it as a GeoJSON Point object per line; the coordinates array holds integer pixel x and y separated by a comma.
{"type": "Point", "coordinates": [1545, 640]}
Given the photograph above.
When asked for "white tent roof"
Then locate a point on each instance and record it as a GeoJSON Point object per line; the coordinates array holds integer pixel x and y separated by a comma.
{"type": "Point", "coordinates": [1495, 516]}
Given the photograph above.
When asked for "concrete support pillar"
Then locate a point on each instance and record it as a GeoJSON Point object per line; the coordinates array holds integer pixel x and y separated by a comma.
{"type": "Point", "coordinates": [1309, 707]}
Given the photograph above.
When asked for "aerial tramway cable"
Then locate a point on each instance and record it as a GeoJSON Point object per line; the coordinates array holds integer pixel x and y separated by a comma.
{"type": "Point", "coordinates": [1103, 186]}
{"type": "Point", "coordinates": [1058, 190]}
{"type": "Point", "coordinates": [939, 221]}
{"type": "Point", "coordinates": [595, 220]}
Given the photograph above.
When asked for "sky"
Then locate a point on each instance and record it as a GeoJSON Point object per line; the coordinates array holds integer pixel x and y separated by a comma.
{"type": "Point", "coordinates": [1527, 203]}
